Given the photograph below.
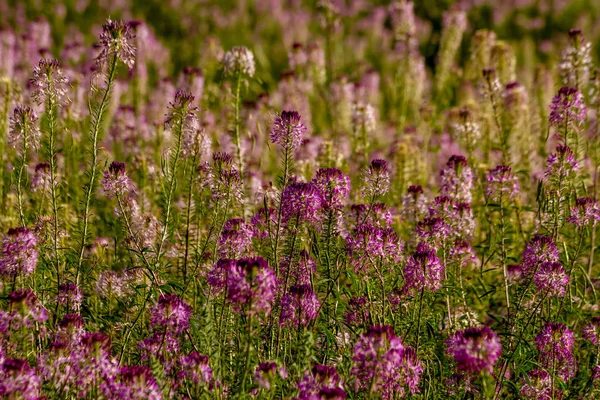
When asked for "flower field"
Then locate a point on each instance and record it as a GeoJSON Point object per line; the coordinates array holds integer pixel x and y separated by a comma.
{"type": "Point", "coordinates": [286, 199]}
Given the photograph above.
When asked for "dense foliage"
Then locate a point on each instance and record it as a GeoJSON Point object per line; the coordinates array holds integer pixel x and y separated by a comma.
{"type": "Point", "coordinates": [281, 199]}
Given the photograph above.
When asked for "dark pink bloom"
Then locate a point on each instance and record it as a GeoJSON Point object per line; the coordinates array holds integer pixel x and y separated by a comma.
{"type": "Point", "coordinates": [475, 349]}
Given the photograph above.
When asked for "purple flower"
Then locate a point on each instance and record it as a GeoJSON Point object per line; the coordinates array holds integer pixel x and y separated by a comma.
{"type": "Point", "coordinates": [301, 272]}
{"type": "Point", "coordinates": [301, 202]}
{"type": "Point", "coordinates": [424, 271]}
{"type": "Point", "coordinates": [561, 164]}
{"type": "Point", "coordinates": [376, 214]}
{"type": "Point", "coordinates": [462, 254]}
{"type": "Point", "coordinates": [567, 108]}
{"type": "Point", "coordinates": [235, 239]}
{"type": "Point", "coordinates": [70, 295]}
{"type": "Point", "coordinates": [24, 131]}
{"type": "Point", "coordinates": [414, 204]}
{"type": "Point", "coordinates": [299, 306]}
{"type": "Point", "coordinates": [170, 314]}
{"type": "Point", "coordinates": [18, 253]}
{"type": "Point", "coordinates": [592, 331]}
{"type": "Point", "coordinates": [457, 180]}
{"type": "Point", "coordinates": [551, 278]}
{"type": "Point", "coordinates": [376, 179]}
{"type": "Point", "coordinates": [368, 245]}
{"type": "Point", "coordinates": [49, 83]}
{"type": "Point", "coordinates": [116, 41]}
{"type": "Point", "coordinates": [502, 184]}
{"type": "Point", "coordinates": [266, 372]}
{"type": "Point", "coordinates": [555, 346]}
{"type": "Point", "coordinates": [383, 365]}
{"type": "Point", "coordinates": [195, 369]}
{"type": "Point", "coordinates": [539, 250]}
{"type": "Point", "coordinates": [288, 130]}
{"type": "Point", "coordinates": [334, 187]}
{"type": "Point", "coordinates": [41, 180]}
{"type": "Point", "coordinates": [18, 380]}
{"type": "Point", "coordinates": [116, 183]}
{"type": "Point", "coordinates": [251, 283]}
{"type": "Point", "coordinates": [475, 349]}
{"type": "Point", "coordinates": [434, 230]}
{"type": "Point", "coordinates": [137, 382]}
{"type": "Point", "coordinates": [321, 382]}
{"type": "Point", "coordinates": [585, 212]}
{"type": "Point", "coordinates": [538, 386]}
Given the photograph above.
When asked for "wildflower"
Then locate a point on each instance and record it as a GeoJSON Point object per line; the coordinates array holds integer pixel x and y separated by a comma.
{"type": "Point", "coordinates": [434, 230]}
{"type": "Point", "coordinates": [288, 130]}
{"type": "Point", "coordinates": [18, 253]}
{"type": "Point", "coordinates": [592, 331]}
{"type": "Point", "coordinates": [383, 365]}
{"type": "Point", "coordinates": [321, 380]}
{"type": "Point", "coordinates": [576, 60]}
{"type": "Point", "coordinates": [299, 306]}
{"type": "Point", "coordinates": [181, 116]}
{"type": "Point", "coordinates": [116, 183]}
{"type": "Point", "coordinates": [555, 346]}
{"type": "Point", "coordinates": [49, 83]}
{"type": "Point", "coordinates": [538, 386]}
{"type": "Point", "coordinates": [475, 349]}
{"type": "Point", "coordinates": [568, 108]}
{"type": "Point", "coordinates": [41, 179]}
{"type": "Point", "coordinates": [111, 284]}
{"type": "Point", "coordinates": [376, 179]}
{"type": "Point", "coordinates": [239, 60]}
{"type": "Point", "coordinates": [457, 180]}
{"type": "Point", "coordinates": [25, 310]}
{"type": "Point", "coordinates": [171, 313]}
{"type": "Point", "coordinates": [539, 250]}
{"type": "Point", "coordinates": [195, 369]}
{"type": "Point", "coordinates": [18, 379]}
{"type": "Point", "coordinates": [551, 278]}
{"type": "Point", "coordinates": [462, 254]}
{"type": "Point", "coordinates": [375, 214]}
{"type": "Point", "coordinates": [235, 239]}
{"type": "Point", "coordinates": [414, 204]}
{"type": "Point", "coordinates": [363, 119]}
{"type": "Point", "coordinates": [251, 284]}
{"type": "Point", "coordinates": [334, 187]}
{"type": "Point", "coordinates": [368, 245]}
{"type": "Point", "coordinates": [24, 131]}
{"type": "Point", "coordinates": [301, 202]}
{"type": "Point", "coordinates": [266, 372]}
{"type": "Point", "coordinates": [502, 184]}
{"type": "Point", "coordinates": [301, 272]}
{"type": "Point", "coordinates": [137, 382]}
{"type": "Point", "coordinates": [116, 41]}
{"type": "Point", "coordinates": [70, 295]}
{"type": "Point", "coordinates": [424, 271]}
{"type": "Point", "coordinates": [585, 213]}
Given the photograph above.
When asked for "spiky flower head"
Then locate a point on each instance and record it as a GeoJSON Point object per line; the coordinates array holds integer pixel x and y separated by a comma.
{"type": "Point", "coordinates": [251, 285]}
{"type": "Point", "coordinates": [239, 60]}
{"type": "Point", "coordinates": [585, 212]}
{"type": "Point", "coordinates": [457, 179]}
{"type": "Point", "coordinates": [196, 369]}
{"type": "Point", "coordinates": [288, 130]}
{"type": "Point", "coordinates": [18, 380]}
{"type": "Point", "coordinates": [555, 344]}
{"type": "Point", "coordinates": [475, 349]}
{"type": "Point", "coordinates": [49, 84]}
{"type": "Point", "coordinates": [539, 250]}
{"type": "Point", "coordinates": [171, 313]}
{"type": "Point", "coordinates": [561, 164]}
{"type": "Point", "coordinates": [538, 386]}
{"type": "Point", "coordinates": [24, 131]}
{"type": "Point", "coordinates": [383, 365]}
{"type": "Point", "coordinates": [369, 244]}
{"type": "Point", "coordinates": [502, 184]}
{"type": "Point", "coordinates": [116, 183]}
{"type": "Point", "coordinates": [18, 254]}
{"type": "Point", "coordinates": [41, 180]}
{"type": "Point", "coordinates": [116, 40]}
{"type": "Point", "coordinates": [576, 61]}
{"type": "Point", "coordinates": [376, 179]}
{"type": "Point", "coordinates": [301, 202]}
{"type": "Point", "coordinates": [334, 187]}
{"type": "Point", "coordinates": [591, 331]}
{"type": "Point", "coordinates": [235, 238]}
{"type": "Point", "coordinates": [568, 108]}
{"type": "Point", "coordinates": [299, 306]}
{"type": "Point", "coordinates": [321, 382]}
{"type": "Point", "coordinates": [424, 271]}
